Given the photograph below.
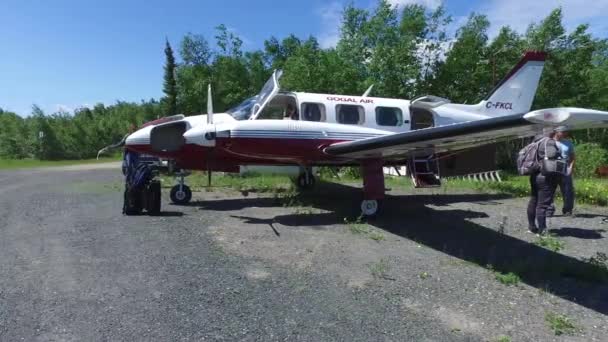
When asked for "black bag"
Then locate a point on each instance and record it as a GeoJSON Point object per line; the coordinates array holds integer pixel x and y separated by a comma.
{"type": "Point", "coordinates": [550, 167]}
{"type": "Point", "coordinates": [132, 201]}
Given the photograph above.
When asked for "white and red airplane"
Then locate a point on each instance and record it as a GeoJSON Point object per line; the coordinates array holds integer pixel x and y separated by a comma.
{"type": "Point", "coordinates": [306, 130]}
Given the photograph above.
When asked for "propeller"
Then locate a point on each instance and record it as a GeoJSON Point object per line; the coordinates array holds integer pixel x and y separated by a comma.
{"type": "Point", "coordinates": [209, 105]}
{"type": "Point", "coordinates": [210, 122]}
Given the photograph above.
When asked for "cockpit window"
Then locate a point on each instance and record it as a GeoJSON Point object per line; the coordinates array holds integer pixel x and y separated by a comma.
{"type": "Point", "coordinates": [243, 110]}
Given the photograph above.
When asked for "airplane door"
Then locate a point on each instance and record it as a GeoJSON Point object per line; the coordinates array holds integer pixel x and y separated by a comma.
{"type": "Point", "coordinates": [270, 89]}
{"type": "Point", "coordinates": [424, 170]}
{"type": "Point", "coordinates": [421, 118]}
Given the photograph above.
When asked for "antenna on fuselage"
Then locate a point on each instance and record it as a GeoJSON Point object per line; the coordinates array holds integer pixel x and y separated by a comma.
{"type": "Point", "coordinates": [209, 105]}
{"type": "Point", "coordinates": [368, 91]}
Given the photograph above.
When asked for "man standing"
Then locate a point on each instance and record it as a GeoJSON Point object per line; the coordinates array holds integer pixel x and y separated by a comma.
{"type": "Point", "coordinates": [542, 186]}
{"type": "Point", "coordinates": [566, 185]}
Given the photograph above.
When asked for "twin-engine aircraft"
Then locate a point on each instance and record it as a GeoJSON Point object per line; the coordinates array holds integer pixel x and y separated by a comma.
{"type": "Point", "coordinates": [306, 130]}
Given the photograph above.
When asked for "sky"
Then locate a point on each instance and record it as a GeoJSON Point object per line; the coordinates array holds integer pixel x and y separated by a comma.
{"type": "Point", "coordinates": [65, 54]}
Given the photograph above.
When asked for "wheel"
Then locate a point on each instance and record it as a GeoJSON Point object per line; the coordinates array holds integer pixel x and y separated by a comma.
{"type": "Point", "coordinates": [305, 183]}
{"type": "Point", "coordinates": [181, 196]}
{"type": "Point", "coordinates": [369, 207]}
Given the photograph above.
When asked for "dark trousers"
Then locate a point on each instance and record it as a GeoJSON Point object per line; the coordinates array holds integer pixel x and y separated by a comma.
{"type": "Point", "coordinates": [541, 198]}
{"type": "Point", "coordinates": [566, 186]}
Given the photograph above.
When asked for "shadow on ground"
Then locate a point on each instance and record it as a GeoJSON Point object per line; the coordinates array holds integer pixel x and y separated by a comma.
{"type": "Point", "coordinates": [579, 233]}
{"type": "Point", "coordinates": [450, 232]}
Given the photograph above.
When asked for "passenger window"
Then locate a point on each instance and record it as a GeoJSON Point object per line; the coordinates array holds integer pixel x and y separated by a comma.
{"type": "Point", "coordinates": [313, 112]}
{"type": "Point", "coordinates": [350, 114]}
{"type": "Point", "coordinates": [389, 116]}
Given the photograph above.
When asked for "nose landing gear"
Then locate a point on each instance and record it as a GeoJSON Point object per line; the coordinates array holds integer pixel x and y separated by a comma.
{"type": "Point", "coordinates": [181, 193]}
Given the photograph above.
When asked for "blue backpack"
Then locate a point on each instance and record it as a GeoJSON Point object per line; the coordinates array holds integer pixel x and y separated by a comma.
{"type": "Point", "coordinates": [141, 176]}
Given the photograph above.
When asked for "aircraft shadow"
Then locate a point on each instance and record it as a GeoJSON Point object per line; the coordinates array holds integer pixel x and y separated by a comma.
{"type": "Point", "coordinates": [590, 234]}
{"type": "Point", "coordinates": [450, 232]}
{"type": "Point", "coordinates": [169, 214]}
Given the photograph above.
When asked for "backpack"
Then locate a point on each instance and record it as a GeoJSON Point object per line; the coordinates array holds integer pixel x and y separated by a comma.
{"type": "Point", "coordinates": [141, 176]}
{"type": "Point", "coordinates": [527, 159]}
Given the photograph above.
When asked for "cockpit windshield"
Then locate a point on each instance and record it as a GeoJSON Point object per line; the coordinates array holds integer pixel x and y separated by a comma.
{"type": "Point", "coordinates": [254, 105]}
{"type": "Point", "coordinates": [243, 110]}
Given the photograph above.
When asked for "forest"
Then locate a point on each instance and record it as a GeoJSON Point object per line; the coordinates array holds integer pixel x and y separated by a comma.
{"type": "Point", "coordinates": [405, 52]}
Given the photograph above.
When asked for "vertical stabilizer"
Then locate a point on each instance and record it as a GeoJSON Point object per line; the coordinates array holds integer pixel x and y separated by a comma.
{"type": "Point", "coordinates": [514, 93]}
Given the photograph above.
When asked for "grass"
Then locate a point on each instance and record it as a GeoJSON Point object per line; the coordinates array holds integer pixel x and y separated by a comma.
{"type": "Point", "coordinates": [379, 270]}
{"type": "Point", "coordinates": [503, 338]}
{"type": "Point", "coordinates": [357, 226]}
{"type": "Point", "coordinates": [250, 182]}
{"type": "Point", "coordinates": [508, 279]}
{"type": "Point", "coordinates": [12, 164]}
{"type": "Point", "coordinates": [376, 236]}
{"type": "Point", "coordinates": [551, 242]}
{"type": "Point", "coordinates": [560, 324]}
{"type": "Point", "coordinates": [587, 191]}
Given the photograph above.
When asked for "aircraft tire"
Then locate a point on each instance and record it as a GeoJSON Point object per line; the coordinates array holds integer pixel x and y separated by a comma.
{"type": "Point", "coordinates": [369, 208]}
{"type": "Point", "coordinates": [182, 196]}
{"type": "Point", "coordinates": [305, 183]}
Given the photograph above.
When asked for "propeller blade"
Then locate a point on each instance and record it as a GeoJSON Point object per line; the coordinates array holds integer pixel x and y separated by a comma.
{"type": "Point", "coordinates": [209, 105]}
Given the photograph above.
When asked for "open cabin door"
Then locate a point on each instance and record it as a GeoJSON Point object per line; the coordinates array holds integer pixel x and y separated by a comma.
{"type": "Point", "coordinates": [424, 169]}
{"type": "Point", "coordinates": [271, 89]}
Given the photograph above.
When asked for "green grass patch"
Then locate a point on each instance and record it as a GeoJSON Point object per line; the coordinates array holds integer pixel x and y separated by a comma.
{"type": "Point", "coordinates": [587, 191]}
{"type": "Point", "coordinates": [251, 182]}
{"type": "Point", "coordinates": [380, 269]}
{"type": "Point", "coordinates": [376, 236]}
{"type": "Point", "coordinates": [12, 164]}
{"type": "Point", "coordinates": [551, 242]}
{"type": "Point", "coordinates": [358, 227]}
{"type": "Point", "coordinates": [503, 338]}
{"type": "Point", "coordinates": [560, 324]}
{"type": "Point", "coordinates": [508, 278]}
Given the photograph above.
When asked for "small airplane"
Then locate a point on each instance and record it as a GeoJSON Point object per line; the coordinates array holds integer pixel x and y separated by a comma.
{"type": "Point", "coordinates": [306, 130]}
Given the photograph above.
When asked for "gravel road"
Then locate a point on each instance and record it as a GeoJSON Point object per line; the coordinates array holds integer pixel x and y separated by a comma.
{"type": "Point", "coordinates": [229, 267]}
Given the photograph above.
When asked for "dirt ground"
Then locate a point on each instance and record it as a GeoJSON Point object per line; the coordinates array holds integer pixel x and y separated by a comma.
{"type": "Point", "coordinates": [433, 266]}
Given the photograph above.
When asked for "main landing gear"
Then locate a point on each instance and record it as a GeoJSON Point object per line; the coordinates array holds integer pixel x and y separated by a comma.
{"type": "Point", "coordinates": [373, 187]}
{"type": "Point", "coordinates": [181, 193]}
{"type": "Point", "coordinates": [306, 180]}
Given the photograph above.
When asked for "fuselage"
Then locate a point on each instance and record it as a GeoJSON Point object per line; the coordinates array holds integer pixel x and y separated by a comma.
{"type": "Point", "coordinates": [276, 138]}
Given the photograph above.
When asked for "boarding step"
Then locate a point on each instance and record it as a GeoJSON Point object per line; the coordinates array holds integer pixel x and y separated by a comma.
{"type": "Point", "coordinates": [424, 172]}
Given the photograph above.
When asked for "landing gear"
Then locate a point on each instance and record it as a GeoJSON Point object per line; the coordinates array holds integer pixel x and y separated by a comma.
{"type": "Point", "coordinates": [306, 180]}
{"type": "Point", "coordinates": [369, 208]}
{"type": "Point", "coordinates": [373, 187]}
{"type": "Point", "coordinates": [181, 193]}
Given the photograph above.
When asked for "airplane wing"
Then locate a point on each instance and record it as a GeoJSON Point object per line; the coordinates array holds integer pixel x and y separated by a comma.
{"type": "Point", "coordinates": [466, 135]}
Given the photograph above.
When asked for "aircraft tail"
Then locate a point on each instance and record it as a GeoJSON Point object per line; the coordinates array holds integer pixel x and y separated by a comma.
{"type": "Point", "coordinates": [514, 93]}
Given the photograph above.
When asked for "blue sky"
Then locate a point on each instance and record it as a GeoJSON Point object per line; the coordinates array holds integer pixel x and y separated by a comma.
{"type": "Point", "coordinates": [63, 54]}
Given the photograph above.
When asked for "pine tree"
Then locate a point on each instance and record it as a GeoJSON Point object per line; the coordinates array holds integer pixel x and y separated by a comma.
{"type": "Point", "coordinates": [169, 86]}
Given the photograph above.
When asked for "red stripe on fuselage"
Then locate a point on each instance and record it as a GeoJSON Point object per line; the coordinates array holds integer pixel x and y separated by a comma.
{"type": "Point", "coordinates": [234, 151]}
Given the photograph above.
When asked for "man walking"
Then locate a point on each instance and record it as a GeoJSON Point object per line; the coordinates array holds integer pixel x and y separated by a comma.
{"type": "Point", "coordinates": [566, 185]}
{"type": "Point", "coordinates": [542, 186]}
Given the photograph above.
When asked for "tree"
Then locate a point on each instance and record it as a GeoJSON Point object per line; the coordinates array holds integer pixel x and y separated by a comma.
{"type": "Point", "coordinates": [170, 85]}
{"type": "Point", "coordinates": [463, 78]}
